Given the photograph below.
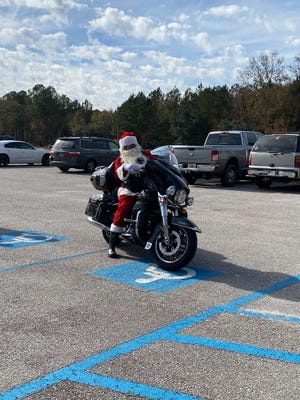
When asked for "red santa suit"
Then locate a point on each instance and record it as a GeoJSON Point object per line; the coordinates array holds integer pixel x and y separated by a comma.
{"type": "Point", "coordinates": [124, 166]}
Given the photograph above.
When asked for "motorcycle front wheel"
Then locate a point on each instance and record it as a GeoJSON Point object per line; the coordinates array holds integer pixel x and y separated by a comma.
{"type": "Point", "coordinates": [179, 252]}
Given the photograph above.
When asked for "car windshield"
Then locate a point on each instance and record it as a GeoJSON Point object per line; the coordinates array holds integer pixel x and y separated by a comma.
{"type": "Point", "coordinates": [276, 144]}
{"type": "Point", "coordinates": [64, 144]}
{"type": "Point", "coordinates": [224, 139]}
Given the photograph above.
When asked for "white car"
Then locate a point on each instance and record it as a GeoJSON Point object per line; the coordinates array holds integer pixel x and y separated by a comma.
{"type": "Point", "coordinates": [19, 152]}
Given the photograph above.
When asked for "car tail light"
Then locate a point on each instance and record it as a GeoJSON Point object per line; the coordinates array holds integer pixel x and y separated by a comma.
{"type": "Point", "coordinates": [214, 155]}
{"type": "Point", "coordinates": [52, 153]}
{"type": "Point", "coordinates": [297, 161]}
{"type": "Point", "coordinates": [73, 154]}
{"type": "Point", "coordinates": [250, 160]}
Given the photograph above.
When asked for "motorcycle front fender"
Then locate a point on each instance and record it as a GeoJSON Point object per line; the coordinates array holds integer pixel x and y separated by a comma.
{"type": "Point", "coordinates": [177, 221]}
{"type": "Point", "coordinates": [185, 223]}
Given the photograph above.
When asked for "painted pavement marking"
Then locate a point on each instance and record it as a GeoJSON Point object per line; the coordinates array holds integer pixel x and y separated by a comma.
{"type": "Point", "coordinates": [50, 261]}
{"type": "Point", "coordinates": [149, 276]}
{"type": "Point", "coordinates": [79, 372]}
{"type": "Point", "coordinates": [16, 239]}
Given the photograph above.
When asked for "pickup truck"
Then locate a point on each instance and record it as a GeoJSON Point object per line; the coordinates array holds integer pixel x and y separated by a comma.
{"type": "Point", "coordinates": [224, 155]}
{"type": "Point", "coordinates": [275, 157]}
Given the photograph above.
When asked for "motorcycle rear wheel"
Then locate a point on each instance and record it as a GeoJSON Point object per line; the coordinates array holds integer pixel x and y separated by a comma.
{"type": "Point", "coordinates": [108, 219]}
{"type": "Point", "coordinates": [179, 252]}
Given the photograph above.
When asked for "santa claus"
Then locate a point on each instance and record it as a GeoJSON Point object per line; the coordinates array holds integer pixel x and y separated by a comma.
{"type": "Point", "coordinates": [132, 158]}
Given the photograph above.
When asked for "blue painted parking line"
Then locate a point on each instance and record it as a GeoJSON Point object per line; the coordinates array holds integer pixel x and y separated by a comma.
{"type": "Point", "coordinates": [16, 239]}
{"type": "Point", "coordinates": [50, 261]}
{"type": "Point", "coordinates": [149, 276]}
{"type": "Point", "coordinates": [133, 388]}
{"type": "Point", "coordinates": [80, 371]}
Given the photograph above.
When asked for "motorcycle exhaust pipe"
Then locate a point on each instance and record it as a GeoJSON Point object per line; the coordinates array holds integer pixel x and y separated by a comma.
{"type": "Point", "coordinates": [98, 224]}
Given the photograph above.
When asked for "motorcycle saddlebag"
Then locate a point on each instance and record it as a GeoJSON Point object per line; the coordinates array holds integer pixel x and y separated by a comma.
{"type": "Point", "coordinates": [93, 204]}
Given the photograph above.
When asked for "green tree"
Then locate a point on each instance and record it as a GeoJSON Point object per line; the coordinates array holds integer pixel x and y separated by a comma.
{"type": "Point", "coordinates": [136, 114]}
{"type": "Point", "coordinates": [102, 123]}
{"type": "Point", "coordinates": [160, 124]}
{"type": "Point", "coordinates": [47, 119]}
{"type": "Point", "coordinates": [13, 116]}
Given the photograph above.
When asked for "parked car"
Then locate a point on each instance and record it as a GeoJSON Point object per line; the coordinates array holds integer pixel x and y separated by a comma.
{"type": "Point", "coordinates": [275, 157]}
{"type": "Point", "coordinates": [7, 137]}
{"type": "Point", "coordinates": [83, 153]}
{"type": "Point", "coordinates": [19, 152]}
{"type": "Point", "coordinates": [166, 154]}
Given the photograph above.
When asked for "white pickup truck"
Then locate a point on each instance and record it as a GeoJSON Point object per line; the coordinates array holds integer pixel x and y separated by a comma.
{"type": "Point", "coordinates": [224, 154]}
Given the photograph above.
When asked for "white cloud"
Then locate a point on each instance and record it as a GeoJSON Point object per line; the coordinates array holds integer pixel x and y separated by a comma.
{"type": "Point", "coordinates": [32, 39]}
{"type": "Point", "coordinates": [50, 11]}
{"type": "Point", "coordinates": [106, 54]}
{"type": "Point", "coordinates": [93, 52]}
{"type": "Point", "coordinates": [42, 4]}
{"type": "Point", "coordinates": [202, 41]}
{"type": "Point", "coordinates": [293, 41]}
{"type": "Point", "coordinates": [227, 11]}
{"type": "Point", "coordinates": [116, 22]}
{"type": "Point", "coordinates": [291, 24]}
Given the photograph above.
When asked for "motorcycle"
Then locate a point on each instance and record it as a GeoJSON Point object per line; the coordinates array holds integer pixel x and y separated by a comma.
{"type": "Point", "coordinates": [159, 220]}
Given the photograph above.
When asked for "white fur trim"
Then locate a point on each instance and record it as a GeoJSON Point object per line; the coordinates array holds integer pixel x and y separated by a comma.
{"type": "Point", "coordinates": [116, 228]}
{"type": "Point", "coordinates": [124, 190]}
{"type": "Point", "coordinates": [123, 175]}
{"type": "Point", "coordinates": [127, 141]}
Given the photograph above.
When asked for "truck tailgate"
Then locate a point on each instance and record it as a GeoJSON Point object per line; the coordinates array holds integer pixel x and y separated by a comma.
{"type": "Point", "coordinates": [273, 160]}
{"type": "Point", "coordinates": [192, 154]}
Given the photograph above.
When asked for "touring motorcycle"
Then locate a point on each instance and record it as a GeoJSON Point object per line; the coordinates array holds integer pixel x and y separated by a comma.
{"type": "Point", "coordinates": [159, 220]}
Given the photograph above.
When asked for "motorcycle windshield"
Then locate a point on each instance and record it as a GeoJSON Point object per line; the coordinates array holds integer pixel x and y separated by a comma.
{"type": "Point", "coordinates": [160, 175]}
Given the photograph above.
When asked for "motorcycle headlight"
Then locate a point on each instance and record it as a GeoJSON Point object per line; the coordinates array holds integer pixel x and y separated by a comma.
{"type": "Point", "coordinates": [180, 196]}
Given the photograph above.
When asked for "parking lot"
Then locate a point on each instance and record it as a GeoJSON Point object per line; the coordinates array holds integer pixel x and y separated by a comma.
{"type": "Point", "coordinates": [78, 325]}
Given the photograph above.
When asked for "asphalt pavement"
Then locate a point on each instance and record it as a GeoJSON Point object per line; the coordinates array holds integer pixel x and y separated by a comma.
{"type": "Point", "coordinates": [76, 324]}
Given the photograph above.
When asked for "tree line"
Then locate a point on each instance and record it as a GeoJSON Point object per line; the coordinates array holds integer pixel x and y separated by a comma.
{"type": "Point", "coordinates": [266, 99]}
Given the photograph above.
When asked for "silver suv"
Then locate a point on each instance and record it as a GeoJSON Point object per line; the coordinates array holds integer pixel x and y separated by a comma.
{"type": "Point", "coordinates": [275, 157]}
{"type": "Point", "coordinates": [83, 153]}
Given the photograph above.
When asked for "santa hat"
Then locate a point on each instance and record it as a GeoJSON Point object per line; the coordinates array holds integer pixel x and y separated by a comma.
{"type": "Point", "coordinates": [127, 138]}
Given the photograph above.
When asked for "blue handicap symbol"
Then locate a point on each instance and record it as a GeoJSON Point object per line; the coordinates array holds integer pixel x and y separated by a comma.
{"type": "Point", "coordinates": [16, 239]}
{"type": "Point", "coordinates": [150, 277]}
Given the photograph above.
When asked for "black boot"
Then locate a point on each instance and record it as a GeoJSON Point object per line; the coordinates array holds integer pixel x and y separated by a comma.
{"type": "Point", "coordinates": [113, 240]}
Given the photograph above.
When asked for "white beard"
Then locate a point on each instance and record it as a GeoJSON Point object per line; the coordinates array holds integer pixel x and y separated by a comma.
{"type": "Point", "coordinates": [130, 156]}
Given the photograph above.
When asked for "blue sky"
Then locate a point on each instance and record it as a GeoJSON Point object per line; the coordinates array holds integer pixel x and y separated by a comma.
{"type": "Point", "coordinates": [104, 51]}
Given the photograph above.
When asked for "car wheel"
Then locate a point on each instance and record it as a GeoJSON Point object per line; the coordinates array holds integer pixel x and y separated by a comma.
{"type": "Point", "coordinates": [4, 159]}
{"type": "Point", "coordinates": [46, 160]}
{"type": "Point", "coordinates": [191, 179]}
{"type": "Point", "coordinates": [263, 183]}
{"type": "Point", "coordinates": [231, 176]}
{"type": "Point", "coordinates": [90, 166]}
